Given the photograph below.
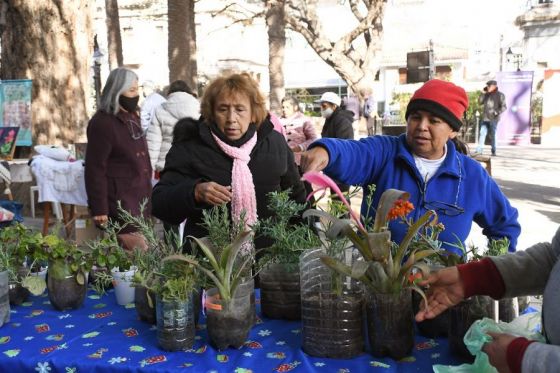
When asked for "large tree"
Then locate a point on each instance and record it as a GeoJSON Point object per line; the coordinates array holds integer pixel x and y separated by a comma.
{"type": "Point", "coordinates": [114, 42]}
{"type": "Point", "coordinates": [49, 41]}
{"type": "Point", "coordinates": [276, 26]}
{"type": "Point", "coordinates": [181, 47]}
{"type": "Point", "coordinates": [355, 55]}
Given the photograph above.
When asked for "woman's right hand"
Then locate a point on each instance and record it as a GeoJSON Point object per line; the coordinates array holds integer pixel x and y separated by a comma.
{"type": "Point", "coordinates": [445, 290]}
{"type": "Point", "coordinates": [101, 221]}
{"type": "Point", "coordinates": [212, 193]}
{"type": "Point", "coordinates": [315, 159]}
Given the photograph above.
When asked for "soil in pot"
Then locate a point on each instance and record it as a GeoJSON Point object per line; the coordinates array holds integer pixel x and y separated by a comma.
{"type": "Point", "coordinates": [4, 298]}
{"type": "Point", "coordinates": [461, 317]}
{"type": "Point", "coordinates": [390, 323]}
{"type": "Point", "coordinates": [249, 287]}
{"type": "Point", "coordinates": [146, 310]}
{"type": "Point", "coordinates": [17, 294]}
{"type": "Point", "coordinates": [431, 328]}
{"type": "Point", "coordinates": [175, 324]}
{"type": "Point", "coordinates": [228, 323]}
{"type": "Point", "coordinates": [280, 292]}
{"type": "Point", "coordinates": [332, 325]}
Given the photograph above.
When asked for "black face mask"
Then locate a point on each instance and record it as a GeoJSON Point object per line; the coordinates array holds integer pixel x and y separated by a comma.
{"type": "Point", "coordinates": [129, 103]}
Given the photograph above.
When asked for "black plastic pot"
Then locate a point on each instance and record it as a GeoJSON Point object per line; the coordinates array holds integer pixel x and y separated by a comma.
{"type": "Point", "coordinates": [431, 328]}
{"type": "Point", "coordinates": [461, 317]}
{"type": "Point", "coordinates": [332, 325]}
{"type": "Point", "coordinates": [145, 312]}
{"type": "Point", "coordinates": [228, 323]}
{"type": "Point", "coordinates": [390, 324]}
{"type": "Point", "coordinates": [17, 294]}
{"type": "Point", "coordinates": [280, 292]}
{"type": "Point", "coordinates": [64, 290]}
{"type": "Point", "coordinates": [175, 324]}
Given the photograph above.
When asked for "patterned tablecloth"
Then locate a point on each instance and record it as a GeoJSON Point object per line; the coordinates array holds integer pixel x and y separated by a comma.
{"type": "Point", "coordinates": [104, 337]}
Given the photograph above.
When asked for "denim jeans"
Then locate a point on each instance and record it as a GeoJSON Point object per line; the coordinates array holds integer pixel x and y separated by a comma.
{"type": "Point", "coordinates": [487, 128]}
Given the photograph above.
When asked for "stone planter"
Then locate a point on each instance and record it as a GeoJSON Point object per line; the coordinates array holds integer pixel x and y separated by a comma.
{"type": "Point", "coordinates": [332, 324]}
{"type": "Point", "coordinates": [390, 324]}
{"type": "Point", "coordinates": [280, 292]}
{"type": "Point", "coordinates": [228, 323]}
{"type": "Point", "coordinates": [175, 324]}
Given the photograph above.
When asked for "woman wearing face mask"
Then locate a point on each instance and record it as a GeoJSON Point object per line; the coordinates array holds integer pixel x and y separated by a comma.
{"type": "Point", "coordinates": [117, 161]}
{"type": "Point", "coordinates": [338, 122]}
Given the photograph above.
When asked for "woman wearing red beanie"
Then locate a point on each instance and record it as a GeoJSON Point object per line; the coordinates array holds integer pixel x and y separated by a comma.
{"type": "Point", "coordinates": [428, 162]}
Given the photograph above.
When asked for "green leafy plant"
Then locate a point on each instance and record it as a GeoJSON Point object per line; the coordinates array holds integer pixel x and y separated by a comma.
{"type": "Point", "coordinates": [387, 267]}
{"type": "Point", "coordinates": [289, 238]}
{"type": "Point", "coordinates": [66, 259]}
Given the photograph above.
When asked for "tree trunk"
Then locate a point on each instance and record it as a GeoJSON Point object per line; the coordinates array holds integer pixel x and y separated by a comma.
{"type": "Point", "coordinates": [276, 23]}
{"type": "Point", "coordinates": [50, 42]}
{"type": "Point", "coordinates": [182, 42]}
{"type": "Point", "coordinates": [114, 42]}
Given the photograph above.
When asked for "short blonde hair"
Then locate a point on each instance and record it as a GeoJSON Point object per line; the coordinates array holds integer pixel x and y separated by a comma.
{"type": "Point", "coordinates": [234, 84]}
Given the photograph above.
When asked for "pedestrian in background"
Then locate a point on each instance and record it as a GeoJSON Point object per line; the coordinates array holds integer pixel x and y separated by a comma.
{"type": "Point", "coordinates": [180, 103]}
{"type": "Point", "coordinates": [338, 124]}
{"type": "Point", "coordinates": [494, 104]}
{"type": "Point", "coordinates": [117, 168]}
{"type": "Point", "coordinates": [152, 100]}
{"type": "Point", "coordinates": [300, 131]}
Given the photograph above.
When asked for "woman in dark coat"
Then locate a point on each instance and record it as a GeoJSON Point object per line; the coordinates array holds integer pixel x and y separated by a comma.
{"type": "Point", "coordinates": [117, 161]}
{"type": "Point", "coordinates": [233, 156]}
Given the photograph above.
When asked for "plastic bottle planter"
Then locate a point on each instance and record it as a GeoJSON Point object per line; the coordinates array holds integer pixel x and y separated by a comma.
{"type": "Point", "coordinates": [249, 286]}
{"type": "Point", "coordinates": [506, 311]}
{"type": "Point", "coordinates": [17, 293]}
{"type": "Point", "coordinates": [431, 328]}
{"type": "Point", "coordinates": [228, 323]}
{"type": "Point", "coordinates": [461, 317]}
{"type": "Point", "coordinates": [122, 282]}
{"type": "Point", "coordinates": [175, 324]}
{"type": "Point", "coordinates": [390, 324]}
{"type": "Point", "coordinates": [280, 292]}
{"type": "Point", "coordinates": [4, 298]}
{"type": "Point", "coordinates": [64, 290]}
{"type": "Point", "coordinates": [146, 310]}
{"type": "Point", "coordinates": [332, 324]}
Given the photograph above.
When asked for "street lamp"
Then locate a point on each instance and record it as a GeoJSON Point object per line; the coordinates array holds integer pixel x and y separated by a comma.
{"type": "Point", "coordinates": [515, 58]}
{"type": "Point", "coordinates": [97, 60]}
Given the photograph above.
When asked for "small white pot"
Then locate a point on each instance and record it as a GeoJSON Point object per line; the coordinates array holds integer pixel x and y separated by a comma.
{"type": "Point", "coordinates": [122, 283]}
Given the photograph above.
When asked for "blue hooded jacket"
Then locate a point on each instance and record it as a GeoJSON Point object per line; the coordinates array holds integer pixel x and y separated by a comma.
{"type": "Point", "coordinates": [387, 162]}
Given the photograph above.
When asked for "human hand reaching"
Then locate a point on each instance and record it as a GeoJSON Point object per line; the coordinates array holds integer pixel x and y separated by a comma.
{"type": "Point", "coordinates": [445, 290]}
{"type": "Point", "coordinates": [315, 159]}
{"type": "Point", "coordinates": [497, 350]}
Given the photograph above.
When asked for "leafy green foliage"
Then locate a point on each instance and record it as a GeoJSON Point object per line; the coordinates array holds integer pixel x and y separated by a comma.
{"type": "Point", "coordinates": [497, 247]}
{"type": "Point", "coordinates": [289, 239]}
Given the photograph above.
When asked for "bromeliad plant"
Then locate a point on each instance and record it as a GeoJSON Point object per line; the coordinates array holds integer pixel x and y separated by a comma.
{"type": "Point", "coordinates": [387, 267]}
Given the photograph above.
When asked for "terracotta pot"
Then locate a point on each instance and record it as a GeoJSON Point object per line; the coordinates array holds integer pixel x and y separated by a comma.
{"type": "Point", "coordinates": [280, 292]}
{"type": "Point", "coordinates": [175, 324]}
{"type": "Point", "coordinates": [390, 324]}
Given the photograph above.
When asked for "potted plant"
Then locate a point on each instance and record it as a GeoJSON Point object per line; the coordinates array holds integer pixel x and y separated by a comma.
{"type": "Point", "coordinates": [279, 277]}
{"type": "Point", "coordinates": [228, 307]}
{"type": "Point", "coordinates": [68, 268]}
{"type": "Point", "coordinates": [331, 303]}
{"type": "Point", "coordinates": [18, 243]}
{"type": "Point", "coordinates": [386, 270]}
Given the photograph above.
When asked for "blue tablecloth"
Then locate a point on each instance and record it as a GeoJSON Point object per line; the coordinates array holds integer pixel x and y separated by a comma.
{"type": "Point", "coordinates": [105, 337]}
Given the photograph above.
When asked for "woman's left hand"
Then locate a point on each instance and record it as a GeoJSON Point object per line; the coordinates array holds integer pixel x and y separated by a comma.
{"type": "Point", "coordinates": [212, 193]}
{"type": "Point", "coordinates": [497, 350]}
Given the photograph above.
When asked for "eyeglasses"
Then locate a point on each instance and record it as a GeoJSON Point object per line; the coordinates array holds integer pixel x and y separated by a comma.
{"type": "Point", "coordinates": [135, 129]}
{"type": "Point", "coordinates": [445, 208]}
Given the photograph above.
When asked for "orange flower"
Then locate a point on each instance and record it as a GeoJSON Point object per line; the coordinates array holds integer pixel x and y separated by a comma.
{"type": "Point", "coordinates": [414, 278]}
{"type": "Point", "coordinates": [400, 209]}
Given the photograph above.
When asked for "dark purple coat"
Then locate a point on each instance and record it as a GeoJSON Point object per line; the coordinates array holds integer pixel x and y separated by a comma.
{"type": "Point", "coordinates": [117, 165]}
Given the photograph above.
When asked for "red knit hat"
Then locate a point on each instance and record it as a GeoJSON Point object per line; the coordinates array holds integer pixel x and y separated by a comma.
{"type": "Point", "coordinates": [443, 99]}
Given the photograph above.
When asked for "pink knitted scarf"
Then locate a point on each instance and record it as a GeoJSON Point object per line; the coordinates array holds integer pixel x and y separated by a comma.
{"type": "Point", "coordinates": [242, 185]}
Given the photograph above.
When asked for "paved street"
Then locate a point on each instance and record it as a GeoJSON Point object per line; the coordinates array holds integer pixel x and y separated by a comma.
{"type": "Point", "coordinates": [529, 176]}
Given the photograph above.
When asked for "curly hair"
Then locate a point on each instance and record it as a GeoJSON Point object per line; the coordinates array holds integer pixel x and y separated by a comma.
{"type": "Point", "coordinates": [231, 85]}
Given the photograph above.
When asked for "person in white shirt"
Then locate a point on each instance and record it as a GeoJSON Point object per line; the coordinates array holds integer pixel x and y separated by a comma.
{"type": "Point", "coordinates": [152, 100]}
